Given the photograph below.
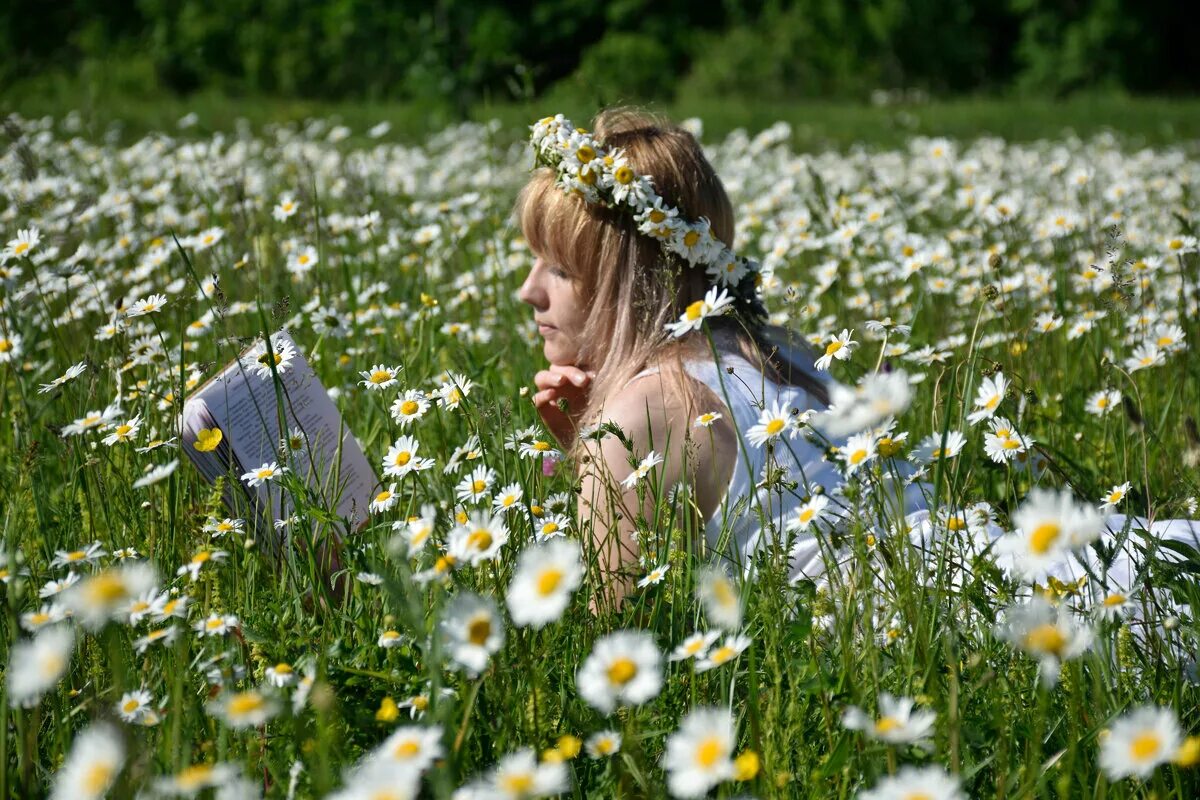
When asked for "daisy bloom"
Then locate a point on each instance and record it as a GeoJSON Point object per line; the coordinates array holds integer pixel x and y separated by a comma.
{"type": "Point", "coordinates": [858, 451]}
{"type": "Point", "coordinates": [911, 783]}
{"type": "Point", "coordinates": [706, 419]}
{"type": "Point", "coordinates": [192, 780]}
{"type": "Point", "coordinates": [286, 207]}
{"type": "Point", "coordinates": [71, 373]}
{"type": "Point", "coordinates": [1140, 741]}
{"type": "Point", "coordinates": [1003, 442]}
{"type": "Point", "coordinates": [654, 576]}
{"type": "Point", "coordinates": [603, 744]}
{"type": "Point", "coordinates": [216, 624]}
{"type": "Point", "coordinates": [551, 526]}
{"type": "Point", "coordinates": [476, 485]}
{"type": "Point", "coordinates": [694, 646]}
{"type": "Point", "coordinates": [390, 638]}
{"type": "Point", "coordinates": [772, 423]}
{"type": "Point", "coordinates": [473, 631]}
{"type": "Point", "coordinates": [264, 474]}
{"type": "Point", "coordinates": [478, 540]}
{"type": "Point", "coordinates": [808, 513]}
{"type": "Point", "coordinates": [730, 649]}
{"type": "Point", "coordinates": [281, 675]}
{"type": "Point", "coordinates": [519, 776]}
{"type": "Point", "coordinates": [107, 595]}
{"type": "Point", "coordinates": [648, 463]}
{"type": "Point", "coordinates": [402, 458]}
{"type": "Point", "coordinates": [379, 377]}
{"type": "Point", "coordinates": [508, 498]}
{"type": "Point", "coordinates": [96, 757]}
{"type": "Point", "coordinates": [247, 709]}
{"type": "Point", "coordinates": [545, 577]}
{"type": "Point", "coordinates": [1102, 402]}
{"type": "Point", "coordinates": [715, 303]}
{"type": "Point", "coordinates": [897, 722]}
{"type": "Point", "coordinates": [699, 755]}
{"type": "Point", "coordinates": [935, 447]}
{"type": "Point", "coordinates": [410, 747]}
{"type": "Point", "coordinates": [84, 555]}
{"type": "Point", "coordinates": [988, 397]}
{"type": "Point", "coordinates": [385, 499]}
{"type": "Point", "coordinates": [877, 397]}
{"type": "Point", "coordinates": [147, 305]}
{"type": "Point", "coordinates": [1114, 496]}
{"type": "Point", "coordinates": [409, 407]}
{"type": "Point", "coordinates": [451, 393]}
{"type": "Point", "coordinates": [27, 239]}
{"type": "Point", "coordinates": [720, 598]}
{"type": "Point", "coordinates": [259, 360]}
{"type": "Point", "coordinates": [35, 665]}
{"type": "Point", "coordinates": [11, 350]}
{"type": "Point", "coordinates": [624, 668]}
{"type": "Point", "coordinates": [133, 705]}
{"type": "Point", "coordinates": [1048, 525]}
{"type": "Point", "coordinates": [1047, 634]}
{"type": "Point", "coordinates": [839, 347]}
{"type": "Point", "coordinates": [301, 261]}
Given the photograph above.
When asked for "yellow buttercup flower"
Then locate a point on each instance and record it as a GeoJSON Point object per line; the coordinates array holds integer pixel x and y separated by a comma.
{"type": "Point", "coordinates": [207, 439]}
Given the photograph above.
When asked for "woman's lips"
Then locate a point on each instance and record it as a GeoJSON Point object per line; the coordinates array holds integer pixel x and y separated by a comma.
{"type": "Point", "coordinates": [545, 330]}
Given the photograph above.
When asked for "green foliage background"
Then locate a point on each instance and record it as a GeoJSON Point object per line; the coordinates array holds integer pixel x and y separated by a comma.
{"type": "Point", "coordinates": [463, 52]}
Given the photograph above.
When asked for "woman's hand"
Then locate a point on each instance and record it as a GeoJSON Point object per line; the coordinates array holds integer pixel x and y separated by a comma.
{"type": "Point", "coordinates": [561, 382]}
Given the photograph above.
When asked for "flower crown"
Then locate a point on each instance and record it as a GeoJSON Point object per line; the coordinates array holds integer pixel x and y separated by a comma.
{"type": "Point", "coordinates": [586, 168]}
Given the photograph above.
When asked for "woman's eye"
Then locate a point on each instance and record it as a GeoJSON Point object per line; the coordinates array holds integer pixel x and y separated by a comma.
{"type": "Point", "coordinates": [559, 272]}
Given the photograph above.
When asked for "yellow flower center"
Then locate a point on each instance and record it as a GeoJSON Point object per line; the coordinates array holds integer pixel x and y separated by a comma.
{"type": "Point", "coordinates": [478, 486]}
{"type": "Point", "coordinates": [657, 216]}
{"type": "Point", "coordinates": [807, 514]}
{"type": "Point", "coordinates": [691, 238]}
{"type": "Point", "coordinates": [585, 153]}
{"type": "Point", "coordinates": [383, 497]}
{"type": "Point", "coordinates": [194, 776]}
{"type": "Point", "coordinates": [1114, 600]}
{"type": "Point", "coordinates": [131, 705]}
{"type": "Point", "coordinates": [549, 580]}
{"type": "Point", "coordinates": [409, 407]}
{"type": "Point", "coordinates": [622, 670]}
{"type": "Point", "coordinates": [775, 426]}
{"type": "Point", "coordinates": [833, 347]}
{"type": "Point", "coordinates": [402, 458]}
{"type": "Point", "coordinates": [541, 446]}
{"type": "Point", "coordinates": [549, 528]}
{"type": "Point", "coordinates": [1175, 244]}
{"type": "Point", "coordinates": [1145, 746]}
{"type": "Point", "coordinates": [479, 631]}
{"type": "Point", "coordinates": [283, 669]}
{"type": "Point", "coordinates": [1046, 638]}
{"type": "Point", "coordinates": [245, 703]}
{"type": "Point", "coordinates": [406, 749]}
{"type": "Point", "coordinates": [380, 376]}
{"type": "Point", "coordinates": [97, 778]}
{"type": "Point", "coordinates": [517, 785]}
{"type": "Point", "coordinates": [694, 311]}
{"type": "Point", "coordinates": [886, 725]}
{"type": "Point", "coordinates": [480, 539]}
{"type": "Point", "coordinates": [1044, 537]}
{"type": "Point", "coordinates": [709, 751]}
{"type": "Point", "coordinates": [106, 588]}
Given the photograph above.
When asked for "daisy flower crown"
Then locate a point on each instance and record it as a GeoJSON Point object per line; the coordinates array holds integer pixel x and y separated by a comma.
{"type": "Point", "coordinates": [588, 169]}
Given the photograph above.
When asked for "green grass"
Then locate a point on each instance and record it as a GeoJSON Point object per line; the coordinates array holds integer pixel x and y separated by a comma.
{"type": "Point", "coordinates": [921, 625]}
{"type": "Point", "coordinates": [816, 124]}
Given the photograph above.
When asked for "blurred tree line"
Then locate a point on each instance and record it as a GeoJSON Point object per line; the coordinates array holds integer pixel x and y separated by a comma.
{"type": "Point", "coordinates": [465, 51]}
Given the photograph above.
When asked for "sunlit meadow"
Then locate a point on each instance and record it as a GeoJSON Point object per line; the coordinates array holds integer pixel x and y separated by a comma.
{"type": "Point", "coordinates": [1041, 300]}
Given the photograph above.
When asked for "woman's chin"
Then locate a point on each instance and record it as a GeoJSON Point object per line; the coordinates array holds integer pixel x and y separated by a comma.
{"type": "Point", "coordinates": [559, 356]}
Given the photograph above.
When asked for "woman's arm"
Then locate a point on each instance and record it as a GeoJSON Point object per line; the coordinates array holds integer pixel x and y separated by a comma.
{"type": "Point", "coordinates": [651, 421]}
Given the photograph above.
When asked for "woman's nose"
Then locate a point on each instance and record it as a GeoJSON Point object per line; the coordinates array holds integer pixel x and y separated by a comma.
{"type": "Point", "coordinates": [531, 290]}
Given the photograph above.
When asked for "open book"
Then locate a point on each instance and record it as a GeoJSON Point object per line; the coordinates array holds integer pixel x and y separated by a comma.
{"type": "Point", "coordinates": [243, 403]}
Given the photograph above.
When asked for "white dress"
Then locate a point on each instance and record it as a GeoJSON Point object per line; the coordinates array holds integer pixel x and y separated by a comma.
{"type": "Point", "coordinates": [735, 530]}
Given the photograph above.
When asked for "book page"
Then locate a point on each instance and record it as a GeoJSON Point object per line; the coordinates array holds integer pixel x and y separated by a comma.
{"type": "Point", "coordinates": [243, 402]}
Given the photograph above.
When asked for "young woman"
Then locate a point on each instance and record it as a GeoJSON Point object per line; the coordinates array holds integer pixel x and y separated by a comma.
{"type": "Point", "coordinates": [604, 293]}
{"type": "Point", "coordinates": [652, 326]}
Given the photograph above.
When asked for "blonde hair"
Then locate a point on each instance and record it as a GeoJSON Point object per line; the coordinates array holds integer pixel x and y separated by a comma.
{"type": "Point", "coordinates": [632, 289]}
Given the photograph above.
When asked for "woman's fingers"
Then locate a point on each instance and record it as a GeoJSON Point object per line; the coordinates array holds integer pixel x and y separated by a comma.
{"type": "Point", "coordinates": [573, 374]}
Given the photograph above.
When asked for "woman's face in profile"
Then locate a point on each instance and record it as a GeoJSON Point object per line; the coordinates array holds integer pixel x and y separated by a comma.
{"type": "Point", "coordinates": [557, 310]}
